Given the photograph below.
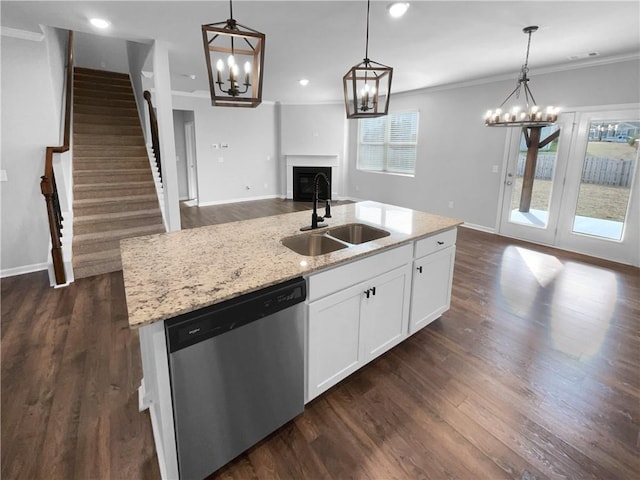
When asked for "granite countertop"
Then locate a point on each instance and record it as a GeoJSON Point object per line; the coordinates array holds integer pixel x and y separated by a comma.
{"type": "Point", "coordinates": [172, 273]}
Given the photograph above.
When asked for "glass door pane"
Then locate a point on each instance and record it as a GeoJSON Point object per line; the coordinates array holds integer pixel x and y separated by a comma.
{"type": "Point", "coordinates": [607, 174]}
{"type": "Point", "coordinates": [534, 212]}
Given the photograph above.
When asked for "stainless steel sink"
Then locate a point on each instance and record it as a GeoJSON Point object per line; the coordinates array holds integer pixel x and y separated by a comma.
{"type": "Point", "coordinates": [312, 244]}
{"type": "Point", "coordinates": [357, 233]}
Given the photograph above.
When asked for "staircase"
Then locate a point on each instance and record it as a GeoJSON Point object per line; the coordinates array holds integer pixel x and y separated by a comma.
{"type": "Point", "coordinates": [114, 191]}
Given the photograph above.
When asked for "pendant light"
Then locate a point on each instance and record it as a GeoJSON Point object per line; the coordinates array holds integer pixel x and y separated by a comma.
{"type": "Point", "coordinates": [367, 86]}
{"type": "Point", "coordinates": [529, 114]}
{"type": "Point", "coordinates": [227, 46]}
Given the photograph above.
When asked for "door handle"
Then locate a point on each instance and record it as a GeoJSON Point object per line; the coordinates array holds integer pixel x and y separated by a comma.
{"type": "Point", "coordinates": [509, 183]}
{"type": "Point", "coordinates": [439, 242]}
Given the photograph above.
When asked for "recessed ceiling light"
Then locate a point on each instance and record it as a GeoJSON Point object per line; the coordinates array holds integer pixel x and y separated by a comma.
{"type": "Point", "coordinates": [304, 82]}
{"type": "Point", "coordinates": [100, 23]}
{"type": "Point", "coordinates": [398, 9]}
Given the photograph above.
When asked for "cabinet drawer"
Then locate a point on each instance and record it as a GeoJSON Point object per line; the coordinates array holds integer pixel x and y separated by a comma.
{"type": "Point", "coordinates": [435, 243]}
{"type": "Point", "coordinates": [343, 276]}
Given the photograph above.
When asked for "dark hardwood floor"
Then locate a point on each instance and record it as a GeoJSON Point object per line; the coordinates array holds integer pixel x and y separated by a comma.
{"type": "Point", "coordinates": [534, 373]}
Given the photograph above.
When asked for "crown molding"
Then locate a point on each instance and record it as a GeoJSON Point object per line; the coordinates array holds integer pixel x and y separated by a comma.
{"type": "Point", "coordinates": [21, 34]}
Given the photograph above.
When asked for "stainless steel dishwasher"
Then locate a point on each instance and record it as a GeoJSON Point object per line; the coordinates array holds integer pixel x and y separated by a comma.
{"type": "Point", "coordinates": [237, 374]}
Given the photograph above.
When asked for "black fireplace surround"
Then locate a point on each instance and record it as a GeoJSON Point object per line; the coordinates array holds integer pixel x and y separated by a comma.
{"type": "Point", "coordinates": [303, 183]}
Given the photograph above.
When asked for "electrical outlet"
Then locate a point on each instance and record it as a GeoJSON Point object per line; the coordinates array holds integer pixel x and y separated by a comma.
{"type": "Point", "coordinates": [3, 176]}
{"type": "Point", "coordinates": [450, 203]}
{"type": "Point", "coordinates": [494, 169]}
{"type": "Point", "coordinates": [220, 159]}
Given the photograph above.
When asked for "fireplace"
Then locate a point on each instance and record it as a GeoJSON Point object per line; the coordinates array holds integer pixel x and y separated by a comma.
{"type": "Point", "coordinates": [303, 183]}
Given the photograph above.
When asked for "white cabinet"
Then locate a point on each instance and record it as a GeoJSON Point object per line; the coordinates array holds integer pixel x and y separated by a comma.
{"type": "Point", "coordinates": [361, 309]}
{"type": "Point", "coordinates": [352, 326]}
{"type": "Point", "coordinates": [333, 346]}
{"type": "Point", "coordinates": [432, 279]}
{"type": "Point", "coordinates": [384, 313]}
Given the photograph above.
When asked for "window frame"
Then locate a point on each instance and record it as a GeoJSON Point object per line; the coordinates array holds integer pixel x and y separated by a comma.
{"type": "Point", "coordinates": [388, 143]}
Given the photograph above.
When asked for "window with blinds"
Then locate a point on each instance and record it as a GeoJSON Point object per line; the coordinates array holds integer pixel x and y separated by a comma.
{"type": "Point", "coordinates": [388, 144]}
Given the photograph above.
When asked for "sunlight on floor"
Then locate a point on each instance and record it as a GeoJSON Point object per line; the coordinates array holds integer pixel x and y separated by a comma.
{"type": "Point", "coordinates": [542, 266]}
{"type": "Point", "coordinates": [523, 273]}
{"type": "Point", "coordinates": [584, 301]}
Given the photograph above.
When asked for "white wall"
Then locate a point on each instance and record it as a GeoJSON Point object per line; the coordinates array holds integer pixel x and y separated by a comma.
{"type": "Point", "coordinates": [137, 55]}
{"type": "Point", "coordinates": [251, 158]}
{"type": "Point", "coordinates": [456, 151]}
{"type": "Point", "coordinates": [181, 153]}
{"type": "Point", "coordinates": [30, 122]}
{"type": "Point", "coordinates": [314, 130]}
{"type": "Point", "coordinates": [100, 52]}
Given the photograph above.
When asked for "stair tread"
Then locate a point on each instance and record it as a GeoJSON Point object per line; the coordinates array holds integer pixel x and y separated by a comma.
{"type": "Point", "coordinates": [95, 256]}
{"type": "Point", "coordinates": [116, 199]}
{"type": "Point", "coordinates": [119, 234]}
{"type": "Point", "coordinates": [110, 185]}
{"type": "Point", "coordinates": [108, 217]}
{"type": "Point", "coordinates": [86, 172]}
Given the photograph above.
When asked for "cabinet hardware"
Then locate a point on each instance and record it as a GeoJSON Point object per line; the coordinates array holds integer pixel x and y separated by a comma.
{"type": "Point", "coordinates": [440, 242]}
{"type": "Point", "coordinates": [419, 269]}
{"type": "Point", "coordinates": [373, 291]}
{"type": "Point", "coordinates": [367, 292]}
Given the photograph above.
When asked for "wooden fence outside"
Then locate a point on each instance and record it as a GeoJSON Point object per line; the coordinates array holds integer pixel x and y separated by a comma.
{"type": "Point", "coordinates": [596, 170]}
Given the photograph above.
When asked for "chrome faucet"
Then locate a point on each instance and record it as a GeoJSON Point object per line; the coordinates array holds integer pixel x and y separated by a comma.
{"type": "Point", "coordinates": [314, 216]}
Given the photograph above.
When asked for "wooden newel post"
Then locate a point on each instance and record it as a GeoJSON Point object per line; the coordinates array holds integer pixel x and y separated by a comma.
{"type": "Point", "coordinates": [533, 144]}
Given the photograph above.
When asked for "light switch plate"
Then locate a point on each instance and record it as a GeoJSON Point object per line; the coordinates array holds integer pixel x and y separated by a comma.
{"type": "Point", "coordinates": [3, 176]}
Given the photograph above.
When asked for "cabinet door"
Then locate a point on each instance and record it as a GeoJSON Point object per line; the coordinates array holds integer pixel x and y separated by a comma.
{"type": "Point", "coordinates": [431, 292]}
{"type": "Point", "coordinates": [333, 340]}
{"type": "Point", "coordinates": [385, 312]}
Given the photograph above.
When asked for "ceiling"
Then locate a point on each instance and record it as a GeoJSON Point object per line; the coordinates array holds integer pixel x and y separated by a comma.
{"type": "Point", "coordinates": [436, 43]}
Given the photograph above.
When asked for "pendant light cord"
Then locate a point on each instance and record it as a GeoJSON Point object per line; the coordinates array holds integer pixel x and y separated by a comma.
{"type": "Point", "coordinates": [366, 49]}
{"type": "Point", "coordinates": [526, 60]}
{"type": "Point", "coordinates": [231, 9]}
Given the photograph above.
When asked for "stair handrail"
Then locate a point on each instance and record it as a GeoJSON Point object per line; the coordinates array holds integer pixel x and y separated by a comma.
{"type": "Point", "coordinates": [48, 185]}
{"type": "Point", "coordinates": [155, 136]}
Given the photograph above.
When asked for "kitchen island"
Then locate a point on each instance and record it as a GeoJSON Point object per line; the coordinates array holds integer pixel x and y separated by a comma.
{"type": "Point", "coordinates": [171, 274]}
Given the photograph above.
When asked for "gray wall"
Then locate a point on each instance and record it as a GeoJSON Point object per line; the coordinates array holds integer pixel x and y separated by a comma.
{"type": "Point", "coordinates": [250, 159]}
{"type": "Point", "coordinates": [456, 151]}
{"type": "Point", "coordinates": [30, 121]}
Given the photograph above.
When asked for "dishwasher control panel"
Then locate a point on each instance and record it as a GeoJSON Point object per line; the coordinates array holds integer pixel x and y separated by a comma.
{"type": "Point", "coordinates": [208, 322]}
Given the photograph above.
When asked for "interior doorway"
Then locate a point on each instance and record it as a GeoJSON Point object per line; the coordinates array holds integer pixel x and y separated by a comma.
{"type": "Point", "coordinates": [184, 131]}
{"type": "Point", "coordinates": [585, 187]}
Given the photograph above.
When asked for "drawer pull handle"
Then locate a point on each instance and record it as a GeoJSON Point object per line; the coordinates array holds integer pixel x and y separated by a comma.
{"type": "Point", "coordinates": [373, 291]}
{"type": "Point", "coordinates": [440, 242]}
{"type": "Point", "coordinates": [419, 269]}
{"type": "Point", "coordinates": [367, 292]}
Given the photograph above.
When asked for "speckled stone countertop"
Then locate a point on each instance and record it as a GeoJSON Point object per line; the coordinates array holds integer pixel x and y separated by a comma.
{"type": "Point", "coordinates": [173, 273]}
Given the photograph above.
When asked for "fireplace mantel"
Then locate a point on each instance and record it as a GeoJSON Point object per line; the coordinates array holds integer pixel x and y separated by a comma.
{"type": "Point", "coordinates": [313, 160]}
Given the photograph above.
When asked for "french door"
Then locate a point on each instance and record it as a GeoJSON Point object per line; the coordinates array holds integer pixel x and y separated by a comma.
{"type": "Point", "coordinates": [584, 195]}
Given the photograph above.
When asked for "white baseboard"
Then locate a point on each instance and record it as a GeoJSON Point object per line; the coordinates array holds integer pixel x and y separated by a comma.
{"type": "Point", "coordinates": [480, 228]}
{"type": "Point", "coordinates": [237, 200]}
{"type": "Point", "coordinates": [11, 272]}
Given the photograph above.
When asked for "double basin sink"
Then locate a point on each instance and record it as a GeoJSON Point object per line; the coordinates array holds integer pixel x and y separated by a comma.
{"type": "Point", "coordinates": [333, 239]}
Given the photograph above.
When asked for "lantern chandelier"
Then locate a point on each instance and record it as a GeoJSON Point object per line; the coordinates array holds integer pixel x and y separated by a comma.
{"type": "Point", "coordinates": [226, 46]}
{"type": "Point", "coordinates": [367, 86]}
{"type": "Point", "coordinates": [529, 115]}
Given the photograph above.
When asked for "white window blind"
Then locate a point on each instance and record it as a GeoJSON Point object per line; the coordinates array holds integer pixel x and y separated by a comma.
{"type": "Point", "coordinates": [389, 143]}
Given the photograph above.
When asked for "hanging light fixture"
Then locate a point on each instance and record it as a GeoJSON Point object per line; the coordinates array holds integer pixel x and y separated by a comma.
{"type": "Point", "coordinates": [367, 86]}
{"type": "Point", "coordinates": [227, 45]}
{"type": "Point", "coordinates": [528, 115]}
